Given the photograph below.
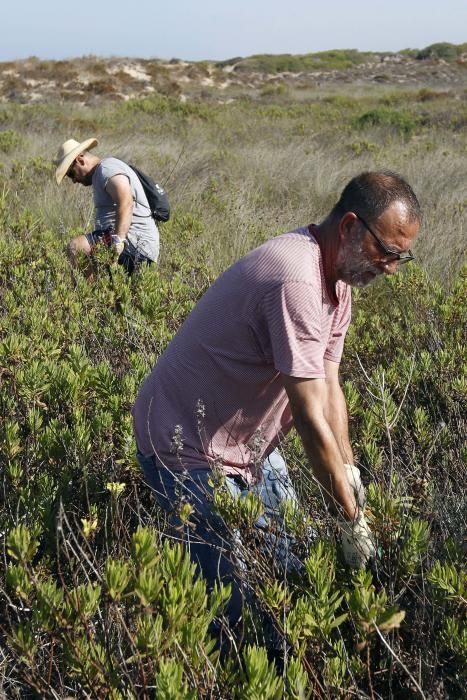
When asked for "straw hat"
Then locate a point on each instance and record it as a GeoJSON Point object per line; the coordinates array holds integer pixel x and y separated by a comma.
{"type": "Point", "coordinates": [67, 153]}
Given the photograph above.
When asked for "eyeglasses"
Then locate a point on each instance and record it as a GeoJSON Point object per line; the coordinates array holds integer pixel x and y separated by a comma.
{"type": "Point", "coordinates": [70, 171]}
{"type": "Point", "coordinates": [400, 257]}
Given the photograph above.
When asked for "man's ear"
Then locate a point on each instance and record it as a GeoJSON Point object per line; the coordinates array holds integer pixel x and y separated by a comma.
{"type": "Point", "coordinates": [346, 224]}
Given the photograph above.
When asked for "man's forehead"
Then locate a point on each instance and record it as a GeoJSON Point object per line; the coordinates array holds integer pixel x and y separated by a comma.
{"type": "Point", "coordinates": [397, 227]}
{"type": "Point", "coordinates": [397, 215]}
{"type": "Point", "coordinates": [396, 210]}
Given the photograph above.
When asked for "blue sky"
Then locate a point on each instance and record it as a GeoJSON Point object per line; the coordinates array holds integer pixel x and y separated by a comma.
{"type": "Point", "coordinates": [215, 29]}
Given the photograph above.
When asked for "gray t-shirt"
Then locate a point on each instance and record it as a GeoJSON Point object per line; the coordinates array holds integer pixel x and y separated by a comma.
{"type": "Point", "coordinates": [143, 236]}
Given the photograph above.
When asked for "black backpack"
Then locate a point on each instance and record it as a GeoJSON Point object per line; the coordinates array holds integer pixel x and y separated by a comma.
{"type": "Point", "coordinates": [156, 196]}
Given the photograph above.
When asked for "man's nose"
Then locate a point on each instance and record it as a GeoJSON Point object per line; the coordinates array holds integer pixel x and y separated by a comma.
{"type": "Point", "coordinates": [390, 267]}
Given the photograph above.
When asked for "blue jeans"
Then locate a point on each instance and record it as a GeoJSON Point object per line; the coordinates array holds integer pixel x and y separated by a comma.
{"type": "Point", "coordinates": [215, 549]}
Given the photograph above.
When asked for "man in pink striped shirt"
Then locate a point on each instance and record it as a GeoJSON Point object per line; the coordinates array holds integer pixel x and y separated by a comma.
{"type": "Point", "coordinates": [260, 353]}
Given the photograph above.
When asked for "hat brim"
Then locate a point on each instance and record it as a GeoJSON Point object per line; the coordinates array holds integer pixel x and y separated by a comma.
{"type": "Point", "coordinates": [64, 164]}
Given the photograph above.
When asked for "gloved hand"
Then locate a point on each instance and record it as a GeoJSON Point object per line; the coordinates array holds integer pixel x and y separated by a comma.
{"type": "Point", "coordinates": [357, 541]}
{"type": "Point", "coordinates": [354, 479]}
{"type": "Point", "coordinates": [118, 244]}
{"type": "Point", "coordinates": [113, 241]}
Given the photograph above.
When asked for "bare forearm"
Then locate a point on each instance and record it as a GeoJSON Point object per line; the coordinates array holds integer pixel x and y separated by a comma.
{"type": "Point", "coordinates": [123, 220]}
{"type": "Point", "coordinates": [322, 435]}
{"type": "Point", "coordinates": [336, 416]}
{"type": "Point", "coordinates": [326, 460]}
{"type": "Point", "coordinates": [119, 189]}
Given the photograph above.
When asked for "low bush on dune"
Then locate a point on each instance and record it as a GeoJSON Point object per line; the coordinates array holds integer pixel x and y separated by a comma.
{"type": "Point", "coordinates": [443, 50]}
{"type": "Point", "coordinates": [339, 59]}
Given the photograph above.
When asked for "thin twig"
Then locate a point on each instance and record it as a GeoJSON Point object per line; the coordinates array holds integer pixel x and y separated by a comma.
{"type": "Point", "coordinates": [393, 653]}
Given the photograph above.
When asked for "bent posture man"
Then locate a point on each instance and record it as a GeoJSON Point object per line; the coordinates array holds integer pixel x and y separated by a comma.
{"type": "Point", "coordinates": [123, 217]}
{"type": "Point", "coordinates": [260, 353]}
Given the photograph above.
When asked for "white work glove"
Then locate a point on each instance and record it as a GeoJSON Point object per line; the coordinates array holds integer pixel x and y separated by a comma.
{"type": "Point", "coordinates": [353, 477]}
{"type": "Point", "coordinates": [118, 244]}
{"type": "Point", "coordinates": [357, 541]}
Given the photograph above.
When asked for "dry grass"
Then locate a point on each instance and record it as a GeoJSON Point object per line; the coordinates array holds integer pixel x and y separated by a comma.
{"type": "Point", "coordinates": [252, 169]}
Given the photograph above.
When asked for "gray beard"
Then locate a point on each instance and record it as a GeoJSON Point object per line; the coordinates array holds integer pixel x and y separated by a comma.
{"type": "Point", "coordinates": [354, 269]}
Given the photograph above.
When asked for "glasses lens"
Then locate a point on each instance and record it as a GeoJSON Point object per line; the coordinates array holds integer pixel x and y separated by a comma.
{"type": "Point", "coordinates": [406, 257]}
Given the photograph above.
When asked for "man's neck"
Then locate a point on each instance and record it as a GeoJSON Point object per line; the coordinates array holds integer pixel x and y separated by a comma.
{"type": "Point", "coordinates": [327, 240]}
{"type": "Point", "coordinates": [93, 164]}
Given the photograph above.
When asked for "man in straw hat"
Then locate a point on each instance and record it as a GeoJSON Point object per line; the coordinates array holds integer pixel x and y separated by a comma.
{"type": "Point", "coordinates": [123, 217]}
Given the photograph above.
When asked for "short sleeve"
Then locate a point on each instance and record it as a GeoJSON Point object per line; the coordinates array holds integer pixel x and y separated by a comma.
{"type": "Point", "coordinates": [297, 334]}
{"type": "Point", "coordinates": [111, 167]}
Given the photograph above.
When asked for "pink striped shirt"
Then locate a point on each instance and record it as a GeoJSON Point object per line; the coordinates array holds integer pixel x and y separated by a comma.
{"type": "Point", "coordinates": [216, 396]}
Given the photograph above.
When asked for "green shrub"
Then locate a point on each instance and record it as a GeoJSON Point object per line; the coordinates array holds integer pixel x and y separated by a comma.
{"type": "Point", "coordinates": [444, 50]}
{"type": "Point", "coordinates": [9, 140]}
{"type": "Point", "coordinates": [402, 122]}
{"type": "Point", "coordinates": [338, 59]}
